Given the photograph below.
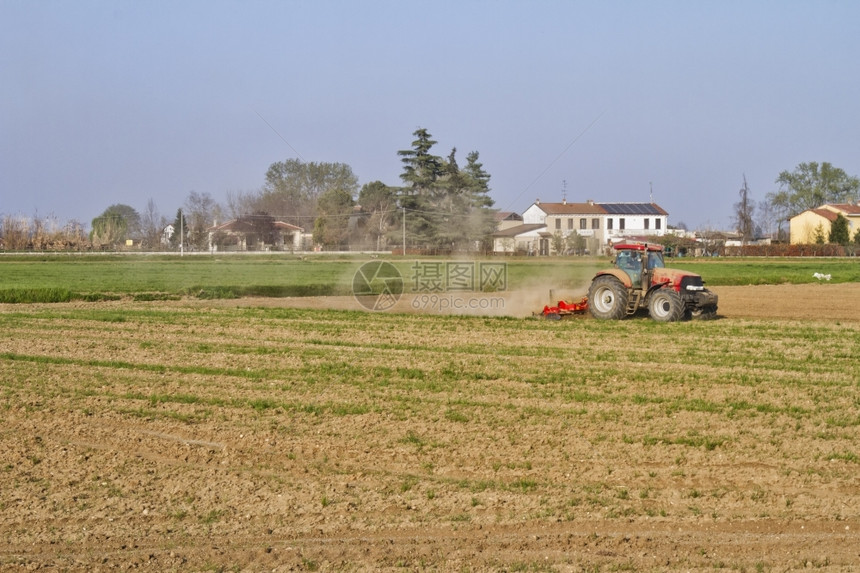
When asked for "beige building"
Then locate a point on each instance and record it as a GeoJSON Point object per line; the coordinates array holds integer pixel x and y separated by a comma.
{"type": "Point", "coordinates": [507, 220]}
{"type": "Point", "coordinates": [805, 227]}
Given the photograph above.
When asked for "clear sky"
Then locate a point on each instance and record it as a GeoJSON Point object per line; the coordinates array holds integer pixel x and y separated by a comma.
{"type": "Point", "coordinates": [116, 101]}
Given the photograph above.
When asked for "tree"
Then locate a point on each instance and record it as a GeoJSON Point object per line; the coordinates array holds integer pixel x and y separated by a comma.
{"type": "Point", "coordinates": [419, 198]}
{"type": "Point", "coordinates": [152, 225]}
{"type": "Point", "coordinates": [420, 168]}
{"type": "Point", "coordinates": [179, 237]}
{"type": "Point", "coordinates": [768, 220]}
{"type": "Point", "coordinates": [240, 203]}
{"type": "Point", "coordinates": [811, 185]}
{"type": "Point", "coordinates": [201, 211]}
{"type": "Point", "coordinates": [744, 215]}
{"type": "Point", "coordinates": [261, 228]}
{"type": "Point", "coordinates": [576, 243]}
{"type": "Point", "coordinates": [331, 226]}
{"type": "Point", "coordinates": [482, 220]}
{"type": "Point", "coordinates": [15, 233]}
{"type": "Point", "coordinates": [292, 188]}
{"type": "Point", "coordinates": [818, 236]}
{"type": "Point", "coordinates": [839, 231]}
{"type": "Point", "coordinates": [115, 224]}
{"type": "Point", "coordinates": [853, 245]}
{"type": "Point", "coordinates": [447, 208]}
{"type": "Point", "coordinates": [558, 243]}
{"type": "Point", "coordinates": [450, 209]}
{"type": "Point", "coordinates": [379, 202]}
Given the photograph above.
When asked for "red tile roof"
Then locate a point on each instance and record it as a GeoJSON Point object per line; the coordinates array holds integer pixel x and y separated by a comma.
{"type": "Point", "coordinates": [847, 208]}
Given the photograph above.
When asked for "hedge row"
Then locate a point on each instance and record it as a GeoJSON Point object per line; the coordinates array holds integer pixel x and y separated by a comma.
{"type": "Point", "coordinates": [785, 250]}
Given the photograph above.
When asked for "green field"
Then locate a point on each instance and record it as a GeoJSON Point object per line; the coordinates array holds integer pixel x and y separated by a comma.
{"type": "Point", "coordinates": [39, 278]}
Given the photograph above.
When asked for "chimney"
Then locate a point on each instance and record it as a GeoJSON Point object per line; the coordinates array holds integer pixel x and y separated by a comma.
{"type": "Point", "coordinates": [537, 201]}
{"type": "Point", "coordinates": [564, 201]}
{"type": "Point", "coordinates": [590, 202]}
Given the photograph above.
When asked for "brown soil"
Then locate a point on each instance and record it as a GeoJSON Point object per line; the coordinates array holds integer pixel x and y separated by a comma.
{"type": "Point", "coordinates": [97, 491]}
{"type": "Point", "coordinates": [825, 302]}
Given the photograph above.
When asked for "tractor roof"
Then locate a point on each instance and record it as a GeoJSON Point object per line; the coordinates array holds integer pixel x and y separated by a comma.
{"type": "Point", "coordinates": [638, 247]}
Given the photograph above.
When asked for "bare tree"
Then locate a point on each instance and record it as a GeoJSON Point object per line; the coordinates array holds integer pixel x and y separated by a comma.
{"type": "Point", "coordinates": [15, 232]}
{"type": "Point", "coordinates": [200, 212]}
{"type": "Point", "coordinates": [75, 236]}
{"type": "Point", "coordinates": [152, 224]}
{"type": "Point", "coordinates": [744, 215]}
{"type": "Point", "coordinates": [239, 203]}
{"type": "Point", "coordinates": [768, 219]}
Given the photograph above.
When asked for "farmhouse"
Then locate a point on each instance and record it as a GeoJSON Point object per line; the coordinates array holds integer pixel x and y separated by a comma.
{"type": "Point", "coordinates": [522, 239]}
{"type": "Point", "coordinates": [807, 226]}
{"type": "Point", "coordinates": [586, 227]}
{"type": "Point", "coordinates": [255, 233]}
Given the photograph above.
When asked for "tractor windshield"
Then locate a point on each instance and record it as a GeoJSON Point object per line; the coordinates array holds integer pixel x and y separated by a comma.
{"type": "Point", "coordinates": [655, 260]}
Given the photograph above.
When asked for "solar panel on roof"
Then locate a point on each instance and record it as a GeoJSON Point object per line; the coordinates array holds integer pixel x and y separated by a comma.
{"type": "Point", "coordinates": [630, 208]}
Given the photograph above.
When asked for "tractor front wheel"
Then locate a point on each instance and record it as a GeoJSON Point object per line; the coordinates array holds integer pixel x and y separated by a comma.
{"type": "Point", "coordinates": [665, 305]}
{"type": "Point", "coordinates": [607, 298]}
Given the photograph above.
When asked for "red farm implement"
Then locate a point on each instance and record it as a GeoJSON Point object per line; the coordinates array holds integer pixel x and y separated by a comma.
{"type": "Point", "coordinates": [564, 309]}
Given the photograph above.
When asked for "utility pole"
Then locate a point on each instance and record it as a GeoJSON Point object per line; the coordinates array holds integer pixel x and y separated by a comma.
{"type": "Point", "coordinates": [181, 234]}
{"type": "Point", "coordinates": [404, 231]}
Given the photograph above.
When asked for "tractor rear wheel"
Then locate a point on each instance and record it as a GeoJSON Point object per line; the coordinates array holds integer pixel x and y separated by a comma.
{"type": "Point", "coordinates": [665, 305]}
{"type": "Point", "coordinates": [607, 298]}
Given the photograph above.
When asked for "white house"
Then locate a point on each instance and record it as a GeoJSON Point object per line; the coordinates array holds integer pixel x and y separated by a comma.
{"type": "Point", "coordinates": [599, 224]}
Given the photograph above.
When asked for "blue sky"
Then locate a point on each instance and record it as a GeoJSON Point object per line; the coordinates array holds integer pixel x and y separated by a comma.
{"type": "Point", "coordinates": [105, 102]}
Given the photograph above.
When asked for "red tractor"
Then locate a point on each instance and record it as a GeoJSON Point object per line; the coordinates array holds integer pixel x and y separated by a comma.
{"type": "Point", "coordinates": [639, 279]}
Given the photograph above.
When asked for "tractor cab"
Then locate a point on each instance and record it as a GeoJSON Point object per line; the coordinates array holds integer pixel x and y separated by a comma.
{"type": "Point", "coordinates": [638, 260]}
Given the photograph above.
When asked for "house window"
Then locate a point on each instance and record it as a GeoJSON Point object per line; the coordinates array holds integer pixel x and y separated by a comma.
{"type": "Point", "coordinates": [595, 223]}
{"type": "Point", "coordinates": [609, 223]}
{"type": "Point", "coordinates": [621, 222]}
{"type": "Point", "coordinates": [582, 223]}
{"type": "Point", "coordinates": [647, 223]}
{"type": "Point", "coordinates": [657, 223]}
{"type": "Point", "coordinates": [569, 224]}
{"type": "Point", "coordinates": [558, 224]}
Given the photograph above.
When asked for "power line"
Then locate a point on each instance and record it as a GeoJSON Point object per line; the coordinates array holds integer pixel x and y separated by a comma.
{"type": "Point", "coordinates": [553, 162]}
{"type": "Point", "coordinates": [279, 135]}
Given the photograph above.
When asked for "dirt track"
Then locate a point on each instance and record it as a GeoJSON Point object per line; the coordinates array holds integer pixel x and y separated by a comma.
{"type": "Point", "coordinates": [82, 490]}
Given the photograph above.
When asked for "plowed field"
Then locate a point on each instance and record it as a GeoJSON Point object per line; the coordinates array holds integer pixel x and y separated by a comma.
{"type": "Point", "coordinates": [273, 435]}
